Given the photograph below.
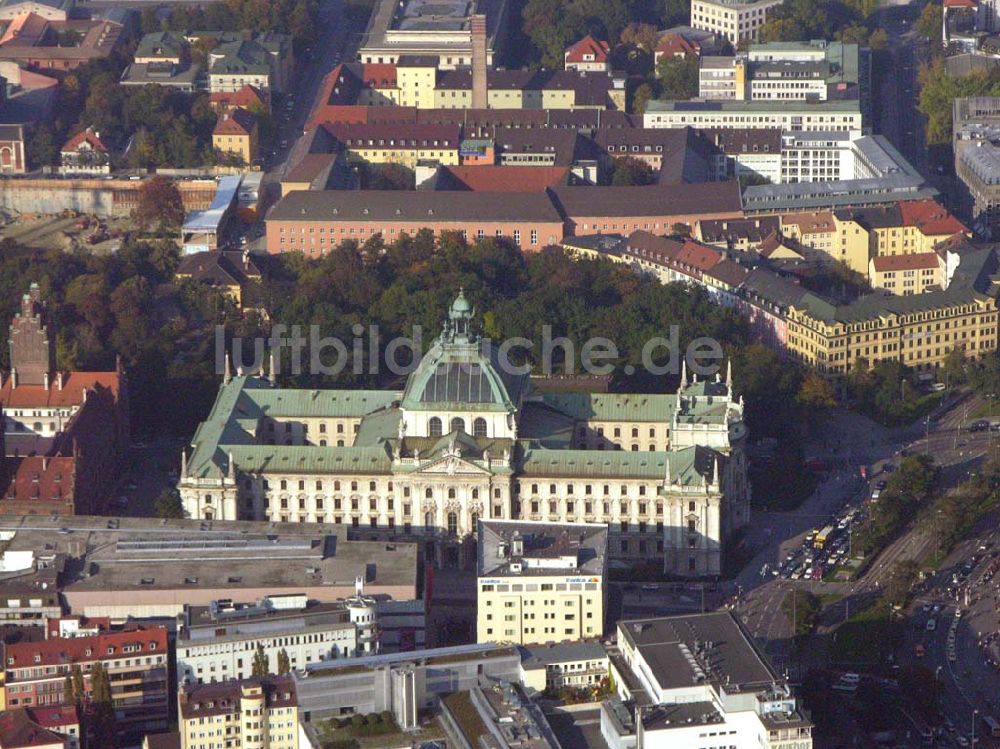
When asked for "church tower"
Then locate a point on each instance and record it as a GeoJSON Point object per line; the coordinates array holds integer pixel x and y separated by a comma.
{"type": "Point", "coordinates": [32, 348]}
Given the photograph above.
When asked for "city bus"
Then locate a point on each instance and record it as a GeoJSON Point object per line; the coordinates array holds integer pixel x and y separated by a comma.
{"type": "Point", "coordinates": [991, 724]}
{"type": "Point", "coordinates": [822, 537]}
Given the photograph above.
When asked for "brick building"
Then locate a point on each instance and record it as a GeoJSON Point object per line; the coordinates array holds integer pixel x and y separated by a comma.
{"type": "Point", "coordinates": [316, 222]}
{"type": "Point", "coordinates": [64, 432]}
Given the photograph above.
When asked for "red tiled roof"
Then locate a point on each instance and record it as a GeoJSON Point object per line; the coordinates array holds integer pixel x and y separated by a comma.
{"type": "Point", "coordinates": [811, 223]}
{"type": "Point", "coordinates": [673, 45]}
{"type": "Point", "coordinates": [19, 731]}
{"type": "Point", "coordinates": [378, 75]}
{"type": "Point", "coordinates": [729, 272]}
{"type": "Point", "coordinates": [651, 247]}
{"type": "Point", "coordinates": [494, 178]}
{"type": "Point", "coordinates": [930, 217]}
{"type": "Point", "coordinates": [916, 261]}
{"type": "Point", "coordinates": [243, 98]}
{"type": "Point", "coordinates": [55, 717]}
{"type": "Point", "coordinates": [960, 3]}
{"type": "Point", "coordinates": [41, 479]}
{"type": "Point", "coordinates": [698, 255]}
{"type": "Point", "coordinates": [587, 46]}
{"type": "Point", "coordinates": [85, 136]}
{"type": "Point", "coordinates": [75, 650]}
{"type": "Point", "coordinates": [239, 122]}
{"type": "Point", "coordinates": [26, 29]}
{"type": "Point", "coordinates": [74, 383]}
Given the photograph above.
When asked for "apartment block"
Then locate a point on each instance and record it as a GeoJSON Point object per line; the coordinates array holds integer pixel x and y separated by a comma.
{"type": "Point", "coordinates": [908, 274]}
{"type": "Point", "coordinates": [540, 582]}
{"type": "Point", "coordinates": [136, 661]}
{"type": "Point", "coordinates": [239, 714]}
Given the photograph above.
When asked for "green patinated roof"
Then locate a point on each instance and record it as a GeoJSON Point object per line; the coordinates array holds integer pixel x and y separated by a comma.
{"type": "Point", "coordinates": [281, 403]}
{"type": "Point", "coordinates": [378, 426]}
{"type": "Point", "coordinates": [243, 401]}
{"type": "Point", "coordinates": [546, 425]}
{"type": "Point", "coordinates": [310, 459]}
{"type": "Point", "coordinates": [688, 467]}
{"type": "Point", "coordinates": [613, 406]}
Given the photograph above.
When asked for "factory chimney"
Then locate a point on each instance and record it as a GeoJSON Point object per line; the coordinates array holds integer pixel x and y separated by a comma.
{"type": "Point", "coordinates": [477, 28]}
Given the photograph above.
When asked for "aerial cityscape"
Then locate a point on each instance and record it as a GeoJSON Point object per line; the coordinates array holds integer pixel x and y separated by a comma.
{"type": "Point", "coordinates": [499, 374]}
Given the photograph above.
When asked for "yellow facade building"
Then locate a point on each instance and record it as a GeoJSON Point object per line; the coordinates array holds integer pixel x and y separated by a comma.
{"type": "Point", "coordinates": [386, 143]}
{"type": "Point", "coordinates": [842, 239]}
{"type": "Point", "coordinates": [243, 714]}
{"type": "Point", "coordinates": [540, 582]}
{"type": "Point", "coordinates": [236, 135]}
{"type": "Point", "coordinates": [918, 330]}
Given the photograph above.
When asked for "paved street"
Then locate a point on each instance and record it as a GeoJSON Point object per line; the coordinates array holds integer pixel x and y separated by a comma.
{"type": "Point", "coordinates": [777, 533]}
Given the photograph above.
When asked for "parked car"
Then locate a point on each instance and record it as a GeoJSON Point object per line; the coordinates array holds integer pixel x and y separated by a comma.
{"type": "Point", "coordinates": [931, 625]}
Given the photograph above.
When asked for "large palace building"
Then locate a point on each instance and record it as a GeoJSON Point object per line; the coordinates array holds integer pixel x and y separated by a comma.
{"type": "Point", "coordinates": [466, 440]}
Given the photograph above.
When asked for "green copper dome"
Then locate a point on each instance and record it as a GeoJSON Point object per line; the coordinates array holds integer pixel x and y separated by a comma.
{"type": "Point", "coordinates": [457, 373]}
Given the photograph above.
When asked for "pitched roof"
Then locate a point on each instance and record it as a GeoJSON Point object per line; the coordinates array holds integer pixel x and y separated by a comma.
{"type": "Point", "coordinates": [218, 268]}
{"type": "Point", "coordinates": [19, 731]}
{"type": "Point", "coordinates": [916, 261]}
{"type": "Point", "coordinates": [245, 97]}
{"type": "Point", "coordinates": [588, 47]}
{"type": "Point", "coordinates": [502, 178]}
{"type": "Point", "coordinates": [728, 272]}
{"type": "Point", "coordinates": [238, 122]}
{"type": "Point", "coordinates": [71, 394]}
{"type": "Point", "coordinates": [144, 640]}
{"type": "Point", "coordinates": [219, 698]}
{"type": "Point", "coordinates": [55, 717]}
{"type": "Point", "coordinates": [88, 136]}
{"type": "Point", "coordinates": [423, 206]}
{"type": "Point", "coordinates": [698, 256]}
{"type": "Point", "coordinates": [654, 200]}
{"type": "Point", "coordinates": [378, 75]}
{"type": "Point", "coordinates": [672, 44]}
{"type": "Point", "coordinates": [381, 134]}
{"type": "Point", "coordinates": [930, 217]}
{"type": "Point", "coordinates": [41, 479]}
{"type": "Point", "coordinates": [811, 223]}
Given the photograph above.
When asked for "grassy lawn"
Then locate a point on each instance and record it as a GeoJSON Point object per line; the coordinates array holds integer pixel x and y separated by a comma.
{"type": "Point", "coordinates": [343, 734]}
{"type": "Point", "coordinates": [867, 639]}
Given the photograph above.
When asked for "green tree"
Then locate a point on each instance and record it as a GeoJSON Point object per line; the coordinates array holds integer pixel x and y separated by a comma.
{"type": "Point", "coordinates": [904, 576]}
{"type": "Point", "coordinates": [101, 722]}
{"type": "Point", "coordinates": [802, 609]}
{"type": "Point", "coordinates": [159, 203]}
{"type": "Point", "coordinates": [79, 688]}
{"type": "Point", "coordinates": [645, 36]}
{"type": "Point", "coordinates": [284, 664]}
{"type": "Point", "coordinates": [816, 393]}
{"type": "Point", "coordinates": [168, 505]}
{"type": "Point", "coordinates": [641, 97]}
{"type": "Point", "coordinates": [261, 663]}
{"type": "Point", "coordinates": [678, 78]}
{"type": "Point", "coordinates": [930, 21]}
{"type": "Point", "coordinates": [632, 171]}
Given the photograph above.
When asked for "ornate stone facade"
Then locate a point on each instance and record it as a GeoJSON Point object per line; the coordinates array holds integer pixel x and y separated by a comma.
{"type": "Point", "coordinates": [466, 440]}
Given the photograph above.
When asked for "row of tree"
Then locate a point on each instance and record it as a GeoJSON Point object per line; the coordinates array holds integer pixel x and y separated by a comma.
{"type": "Point", "coordinates": [295, 17]}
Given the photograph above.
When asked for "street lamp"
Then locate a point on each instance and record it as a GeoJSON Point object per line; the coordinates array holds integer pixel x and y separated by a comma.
{"type": "Point", "coordinates": [975, 716]}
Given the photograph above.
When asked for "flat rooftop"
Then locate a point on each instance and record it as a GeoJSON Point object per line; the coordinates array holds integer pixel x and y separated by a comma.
{"type": "Point", "coordinates": [515, 549]}
{"type": "Point", "coordinates": [694, 648]}
{"type": "Point", "coordinates": [146, 554]}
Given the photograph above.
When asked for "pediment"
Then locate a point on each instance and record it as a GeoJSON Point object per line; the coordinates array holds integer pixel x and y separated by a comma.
{"type": "Point", "coordinates": [451, 465]}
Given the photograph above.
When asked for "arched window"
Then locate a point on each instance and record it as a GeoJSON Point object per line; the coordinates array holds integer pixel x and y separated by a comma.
{"type": "Point", "coordinates": [475, 521]}
{"type": "Point", "coordinates": [428, 493]}
{"type": "Point", "coordinates": [435, 426]}
{"type": "Point", "coordinates": [452, 524]}
{"type": "Point", "coordinates": [479, 427]}
{"type": "Point", "coordinates": [451, 493]}
{"type": "Point", "coordinates": [429, 521]}
{"type": "Point", "coordinates": [458, 424]}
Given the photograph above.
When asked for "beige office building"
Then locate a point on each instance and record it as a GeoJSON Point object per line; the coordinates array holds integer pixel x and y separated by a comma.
{"type": "Point", "coordinates": [540, 582]}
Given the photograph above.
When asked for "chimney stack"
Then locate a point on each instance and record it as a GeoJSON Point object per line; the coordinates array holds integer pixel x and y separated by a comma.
{"type": "Point", "coordinates": [480, 95]}
{"type": "Point", "coordinates": [59, 379]}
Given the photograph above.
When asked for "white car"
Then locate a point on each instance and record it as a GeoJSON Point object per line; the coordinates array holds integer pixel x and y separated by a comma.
{"type": "Point", "coordinates": [931, 625]}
